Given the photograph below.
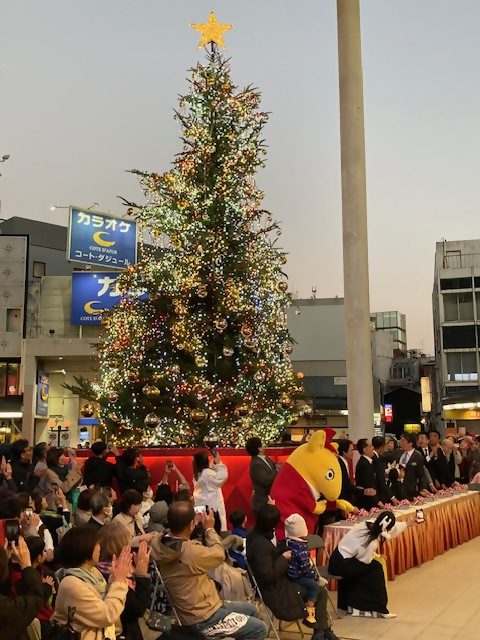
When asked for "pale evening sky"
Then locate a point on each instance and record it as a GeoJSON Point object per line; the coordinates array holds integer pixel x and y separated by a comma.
{"type": "Point", "coordinates": [88, 87]}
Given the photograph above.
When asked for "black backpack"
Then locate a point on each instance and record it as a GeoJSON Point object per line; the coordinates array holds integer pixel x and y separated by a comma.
{"type": "Point", "coordinates": [64, 631]}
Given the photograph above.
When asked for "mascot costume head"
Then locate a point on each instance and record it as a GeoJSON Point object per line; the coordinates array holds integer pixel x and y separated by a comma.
{"type": "Point", "coordinates": [310, 481]}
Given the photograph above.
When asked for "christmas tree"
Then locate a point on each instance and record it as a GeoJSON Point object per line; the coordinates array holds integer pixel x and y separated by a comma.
{"type": "Point", "coordinates": [204, 354]}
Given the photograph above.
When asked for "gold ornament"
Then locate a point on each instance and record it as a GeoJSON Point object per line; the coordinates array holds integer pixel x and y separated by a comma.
{"type": "Point", "coordinates": [283, 259]}
{"type": "Point", "coordinates": [286, 401]}
{"type": "Point", "coordinates": [132, 375]}
{"type": "Point", "coordinates": [221, 324]}
{"type": "Point", "coordinates": [151, 420]}
{"type": "Point", "coordinates": [246, 331]}
{"type": "Point", "coordinates": [112, 396]}
{"type": "Point", "coordinates": [300, 375]}
{"type": "Point", "coordinates": [250, 344]}
{"type": "Point", "coordinates": [87, 410]}
{"type": "Point", "coordinates": [260, 376]}
{"type": "Point", "coordinates": [227, 351]}
{"type": "Point", "coordinates": [242, 410]}
{"type": "Point", "coordinates": [198, 415]}
{"type": "Point", "coordinates": [114, 417]}
{"type": "Point", "coordinates": [175, 369]}
{"type": "Point", "coordinates": [288, 349]}
{"type": "Point", "coordinates": [212, 31]}
{"type": "Point", "coordinates": [202, 291]}
{"type": "Point", "coordinates": [282, 286]}
{"type": "Point", "coordinates": [151, 392]}
{"type": "Point", "coordinates": [294, 419]}
{"type": "Point", "coordinates": [130, 211]}
{"type": "Point", "coordinates": [106, 322]}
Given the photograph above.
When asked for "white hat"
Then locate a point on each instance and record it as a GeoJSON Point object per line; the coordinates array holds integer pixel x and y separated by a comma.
{"type": "Point", "coordinates": [295, 526]}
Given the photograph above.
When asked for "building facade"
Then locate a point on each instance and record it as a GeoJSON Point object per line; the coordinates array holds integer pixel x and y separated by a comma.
{"type": "Point", "coordinates": [456, 318]}
{"type": "Point", "coordinates": [318, 327]}
{"type": "Point", "coordinates": [394, 323]}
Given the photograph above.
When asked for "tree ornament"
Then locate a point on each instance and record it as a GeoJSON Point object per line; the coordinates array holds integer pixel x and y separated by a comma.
{"type": "Point", "coordinates": [242, 410]}
{"type": "Point", "coordinates": [130, 211]}
{"type": "Point", "coordinates": [246, 331]}
{"type": "Point", "coordinates": [202, 291]}
{"type": "Point", "coordinates": [282, 286]}
{"type": "Point", "coordinates": [221, 324]}
{"type": "Point", "coordinates": [152, 420]}
{"type": "Point", "coordinates": [113, 396]}
{"type": "Point", "coordinates": [151, 391]}
{"type": "Point", "coordinates": [286, 401]}
{"type": "Point", "coordinates": [87, 410]}
{"type": "Point", "coordinates": [300, 375]}
{"type": "Point", "coordinates": [227, 351]}
{"type": "Point", "coordinates": [106, 322]}
{"type": "Point", "coordinates": [212, 31]}
{"type": "Point", "coordinates": [250, 344]}
{"type": "Point", "coordinates": [132, 375]}
{"type": "Point", "coordinates": [114, 417]}
{"type": "Point", "coordinates": [260, 376]}
{"type": "Point", "coordinates": [198, 415]}
{"type": "Point", "coordinates": [175, 369]}
{"type": "Point", "coordinates": [288, 349]}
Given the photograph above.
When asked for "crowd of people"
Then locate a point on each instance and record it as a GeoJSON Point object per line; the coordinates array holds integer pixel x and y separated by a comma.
{"type": "Point", "coordinates": [79, 559]}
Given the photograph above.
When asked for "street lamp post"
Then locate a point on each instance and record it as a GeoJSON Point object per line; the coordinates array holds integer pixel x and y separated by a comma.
{"type": "Point", "coordinates": [354, 216]}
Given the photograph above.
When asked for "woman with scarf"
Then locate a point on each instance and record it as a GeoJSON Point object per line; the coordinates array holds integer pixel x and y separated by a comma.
{"type": "Point", "coordinates": [98, 606]}
{"type": "Point", "coordinates": [362, 591]}
{"type": "Point", "coordinates": [112, 538]}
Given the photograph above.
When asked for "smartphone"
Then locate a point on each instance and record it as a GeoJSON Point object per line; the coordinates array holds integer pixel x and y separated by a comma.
{"type": "Point", "coordinates": [55, 487]}
{"type": "Point", "coordinates": [170, 464]}
{"type": "Point", "coordinates": [199, 509]}
{"type": "Point", "coordinates": [12, 531]}
{"type": "Point", "coordinates": [29, 512]}
{"type": "Point", "coordinates": [109, 446]}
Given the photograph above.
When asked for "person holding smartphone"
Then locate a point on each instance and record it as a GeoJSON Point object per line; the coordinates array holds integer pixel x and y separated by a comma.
{"type": "Point", "coordinates": [18, 613]}
{"type": "Point", "coordinates": [56, 458]}
{"type": "Point", "coordinates": [207, 486]}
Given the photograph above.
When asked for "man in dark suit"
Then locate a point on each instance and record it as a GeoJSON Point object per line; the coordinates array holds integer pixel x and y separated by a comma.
{"type": "Point", "coordinates": [101, 510]}
{"type": "Point", "coordinates": [385, 494]}
{"type": "Point", "coordinates": [365, 477]}
{"type": "Point", "coordinates": [424, 447]}
{"type": "Point", "coordinates": [345, 456]}
{"type": "Point", "coordinates": [415, 478]}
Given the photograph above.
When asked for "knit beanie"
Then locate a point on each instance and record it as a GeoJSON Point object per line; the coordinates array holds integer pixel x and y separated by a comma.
{"type": "Point", "coordinates": [295, 526]}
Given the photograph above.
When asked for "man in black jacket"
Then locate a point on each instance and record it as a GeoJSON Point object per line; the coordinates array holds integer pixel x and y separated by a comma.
{"type": "Point", "coordinates": [366, 477]}
{"type": "Point", "coordinates": [131, 472]}
{"type": "Point", "coordinates": [345, 456]}
{"type": "Point", "coordinates": [23, 473]}
{"type": "Point", "coordinates": [97, 470]}
{"type": "Point", "coordinates": [415, 477]}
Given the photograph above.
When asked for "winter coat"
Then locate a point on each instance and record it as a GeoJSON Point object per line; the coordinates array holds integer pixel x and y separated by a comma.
{"type": "Point", "coordinates": [17, 613]}
{"type": "Point", "coordinates": [270, 568]}
{"type": "Point", "coordinates": [92, 614]}
{"type": "Point", "coordinates": [184, 565]}
{"type": "Point", "coordinates": [51, 477]}
{"type": "Point", "coordinates": [98, 471]}
{"type": "Point", "coordinates": [300, 564]}
{"type": "Point", "coordinates": [23, 476]}
{"type": "Point", "coordinates": [262, 475]}
{"type": "Point", "coordinates": [134, 526]}
{"type": "Point", "coordinates": [208, 491]}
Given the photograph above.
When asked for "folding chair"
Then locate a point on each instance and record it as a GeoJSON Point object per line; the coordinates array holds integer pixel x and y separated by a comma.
{"type": "Point", "coordinates": [268, 613]}
{"type": "Point", "coordinates": [316, 542]}
{"type": "Point", "coordinates": [160, 584]}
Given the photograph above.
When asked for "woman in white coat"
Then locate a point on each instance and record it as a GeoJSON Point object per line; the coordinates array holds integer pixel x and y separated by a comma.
{"type": "Point", "coordinates": [207, 485]}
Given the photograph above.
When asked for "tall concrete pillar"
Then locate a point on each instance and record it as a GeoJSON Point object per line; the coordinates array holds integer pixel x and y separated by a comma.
{"type": "Point", "coordinates": [354, 215]}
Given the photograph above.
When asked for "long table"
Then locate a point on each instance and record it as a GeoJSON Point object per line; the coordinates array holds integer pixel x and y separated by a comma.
{"type": "Point", "coordinates": [448, 522]}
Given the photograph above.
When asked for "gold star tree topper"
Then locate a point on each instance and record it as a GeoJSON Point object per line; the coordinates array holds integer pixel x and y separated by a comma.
{"type": "Point", "coordinates": [212, 31]}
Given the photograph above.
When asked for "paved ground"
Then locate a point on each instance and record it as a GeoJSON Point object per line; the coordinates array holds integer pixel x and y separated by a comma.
{"type": "Point", "coordinates": [438, 601]}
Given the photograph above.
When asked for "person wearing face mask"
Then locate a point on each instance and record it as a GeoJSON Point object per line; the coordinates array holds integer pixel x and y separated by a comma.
{"type": "Point", "coordinates": [147, 503]}
{"type": "Point", "coordinates": [129, 517]}
{"type": "Point", "coordinates": [101, 510]}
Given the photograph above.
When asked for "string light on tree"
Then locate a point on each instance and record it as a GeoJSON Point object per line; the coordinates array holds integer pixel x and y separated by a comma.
{"type": "Point", "coordinates": [205, 354]}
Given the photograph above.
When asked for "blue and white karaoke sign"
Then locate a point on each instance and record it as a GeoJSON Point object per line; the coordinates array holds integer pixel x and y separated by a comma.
{"type": "Point", "coordinates": [101, 239]}
{"type": "Point", "coordinates": [93, 293]}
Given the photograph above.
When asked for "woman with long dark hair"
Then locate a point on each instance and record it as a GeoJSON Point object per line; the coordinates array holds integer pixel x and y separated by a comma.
{"type": "Point", "coordinates": [208, 481]}
{"type": "Point", "coordinates": [362, 591]}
